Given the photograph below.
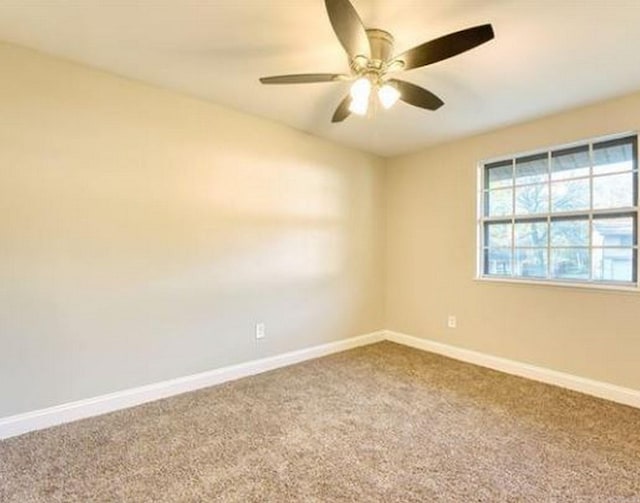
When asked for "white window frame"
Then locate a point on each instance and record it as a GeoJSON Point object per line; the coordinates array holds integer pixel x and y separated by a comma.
{"type": "Point", "coordinates": [589, 213]}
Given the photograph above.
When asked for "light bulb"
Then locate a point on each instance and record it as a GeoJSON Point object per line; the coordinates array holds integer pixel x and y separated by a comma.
{"type": "Point", "coordinates": [388, 95]}
{"type": "Point", "coordinates": [360, 92]}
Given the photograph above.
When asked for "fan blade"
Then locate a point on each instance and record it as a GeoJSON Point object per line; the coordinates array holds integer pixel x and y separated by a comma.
{"type": "Point", "coordinates": [342, 112]}
{"type": "Point", "coordinates": [416, 95]}
{"type": "Point", "coordinates": [348, 27]}
{"type": "Point", "coordinates": [303, 78]}
{"type": "Point", "coordinates": [446, 47]}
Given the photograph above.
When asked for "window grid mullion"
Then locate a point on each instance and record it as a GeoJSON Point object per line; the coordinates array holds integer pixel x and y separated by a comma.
{"type": "Point", "coordinates": [565, 214]}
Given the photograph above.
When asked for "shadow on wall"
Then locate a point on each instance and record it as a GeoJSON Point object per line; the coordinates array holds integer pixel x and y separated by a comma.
{"type": "Point", "coordinates": [120, 269]}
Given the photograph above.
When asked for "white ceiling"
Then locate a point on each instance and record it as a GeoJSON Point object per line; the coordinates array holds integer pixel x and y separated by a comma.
{"type": "Point", "coordinates": [548, 55]}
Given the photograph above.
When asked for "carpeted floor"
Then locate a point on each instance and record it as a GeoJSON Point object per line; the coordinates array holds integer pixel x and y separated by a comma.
{"type": "Point", "coordinates": [379, 423]}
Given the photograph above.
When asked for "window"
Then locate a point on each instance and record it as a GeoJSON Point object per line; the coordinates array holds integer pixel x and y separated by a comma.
{"type": "Point", "coordinates": [565, 215]}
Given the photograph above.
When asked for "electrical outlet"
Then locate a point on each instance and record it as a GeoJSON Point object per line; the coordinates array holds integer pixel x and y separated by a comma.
{"type": "Point", "coordinates": [260, 332]}
{"type": "Point", "coordinates": [451, 321]}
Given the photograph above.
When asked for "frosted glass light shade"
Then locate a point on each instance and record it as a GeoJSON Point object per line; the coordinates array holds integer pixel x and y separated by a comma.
{"type": "Point", "coordinates": [388, 95]}
{"type": "Point", "coordinates": [360, 92]}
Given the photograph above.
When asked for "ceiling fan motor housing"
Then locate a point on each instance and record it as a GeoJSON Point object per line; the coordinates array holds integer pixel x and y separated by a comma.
{"type": "Point", "coordinates": [381, 43]}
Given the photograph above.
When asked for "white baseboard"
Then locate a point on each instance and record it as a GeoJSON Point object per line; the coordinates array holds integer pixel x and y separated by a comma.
{"type": "Point", "coordinates": [619, 394]}
{"type": "Point", "coordinates": [59, 414]}
{"type": "Point", "coordinates": [44, 418]}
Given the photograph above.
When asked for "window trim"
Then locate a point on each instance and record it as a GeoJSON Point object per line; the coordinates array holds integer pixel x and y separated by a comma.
{"type": "Point", "coordinates": [481, 190]}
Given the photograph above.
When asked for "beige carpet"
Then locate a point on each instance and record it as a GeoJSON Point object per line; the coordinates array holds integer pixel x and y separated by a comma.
{"type": "Point", "coordinates": [380, 423]}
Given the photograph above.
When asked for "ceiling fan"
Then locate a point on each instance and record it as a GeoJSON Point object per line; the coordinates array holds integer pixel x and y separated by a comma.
{"type": "Point", "coordinates": [371, 61]}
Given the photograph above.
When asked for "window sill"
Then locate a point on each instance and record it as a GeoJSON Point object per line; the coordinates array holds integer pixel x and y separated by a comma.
{"type": "Point", "coordinates": [562, 284]}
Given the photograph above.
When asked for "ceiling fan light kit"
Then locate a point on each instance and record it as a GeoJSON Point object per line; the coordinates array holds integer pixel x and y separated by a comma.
{"type": "Point", "coordinates": [363, 100]}
{"type": "Point", "coordinates": [372, 63]}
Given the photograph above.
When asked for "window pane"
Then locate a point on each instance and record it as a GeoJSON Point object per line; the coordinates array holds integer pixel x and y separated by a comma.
{"type": "Point", "coordinates": [532, 169]}
{"type": "Point", "coordinates": [570, 263]}
{"type": "Point", "coordinates": [613, 156]}
{"type": "Point", "coordinates": [614, 231]}
{"type": "Point", "coordinates": [570, 195]}
{"type": "Point", "coordinates": [498, 175]}
{"type": "Point", "coordinates": [574, 232]}
{"type": "Point", "coordinates": [497, 261]}
{"type": "Point", "coordinates": [499, 202]}
{"type": "Point", "coordinates": [613, 264]}
{"type": "Point", "coordinates": [531, 233]}
{"type": "Point", "coordinates": [497, 235]}
{"type": "Point", "coordinates": [613, 191]}
{"type": "Point", "coordinates": [532, 199]}
{"type": "Point", "coordinates": [570, 163]}
{"type": "Point", "coordinates": [531, 262]}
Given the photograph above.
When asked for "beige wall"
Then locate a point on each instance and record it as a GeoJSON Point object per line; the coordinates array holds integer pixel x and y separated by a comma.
{"type": "Point", "coordinates": [144, 233]}
{"type": "Point", "coordinates": [431, 260]}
